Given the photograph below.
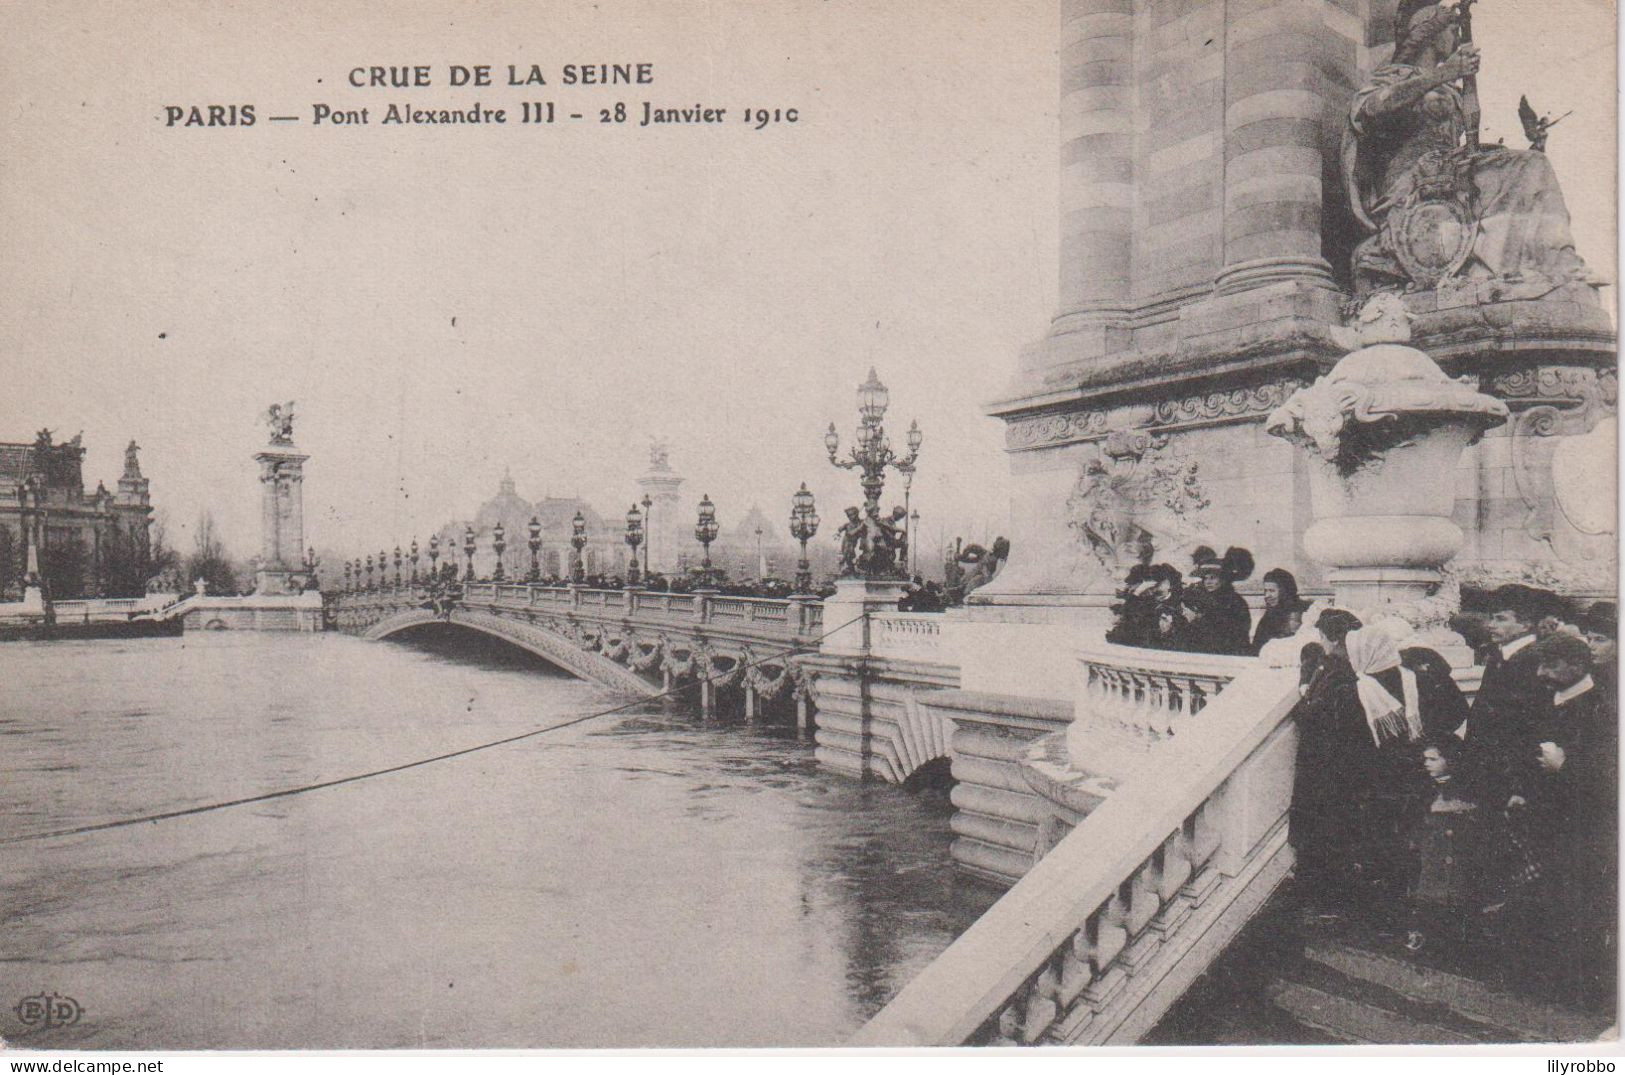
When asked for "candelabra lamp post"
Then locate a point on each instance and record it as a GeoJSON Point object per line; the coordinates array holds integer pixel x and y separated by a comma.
{"type": "Point", "coordinates": [634, 538]}
{"type": "Point", "coordinates": [468, 553]}
{"type": "Point", "coordinates": [535, 550]}
{"type": "Point", "coordinates": [434, 557]}
{"type": "Point", "coordinates": [369, 572]}
{"type": "Point", "coordinates": [356, 563]}
{"type": "Point", "coordinates": [803, 527]}
{"type": "Point", "coordinates": [383, 571]}
{"type": "Point", "coordinates": [648, 524]}
{"type": "Point", "coordinates": [414, 551]}
{"type": "Point", "coordinates": [499, 541]}
{"type": "Point", "coordinates": [347, 582]}
{"type": "Point", "coordinates": [871, 455]}
{"type": "Point", "coordinates": [705, 532]}
{"type": "Point", "coordinates": [873, 452]}
{"type": "Point", "coordinates": [397, 567]}
{"type": "Point", "coordinates": [578, 542]}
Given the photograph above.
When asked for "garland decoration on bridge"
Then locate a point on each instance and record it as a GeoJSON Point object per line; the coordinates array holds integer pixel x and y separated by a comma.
{"type": "Point", "coordinates": [677, 667]}
{"type": "Point", "coordinates": [641, 659]}
{"type": "Point", "coordinates": [614, 650]}
{"type": "Point", "coordinates": [708, 667]}
{"type": "Point", "coordinates": [757, 679]}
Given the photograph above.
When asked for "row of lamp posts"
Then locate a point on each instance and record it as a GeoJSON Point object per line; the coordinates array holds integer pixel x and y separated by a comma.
{"type": "Point", "coordinates": [871, 456]}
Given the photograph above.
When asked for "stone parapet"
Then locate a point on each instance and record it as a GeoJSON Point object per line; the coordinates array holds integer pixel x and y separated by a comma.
{"type": "Point", "coordinates": [1105, 932]}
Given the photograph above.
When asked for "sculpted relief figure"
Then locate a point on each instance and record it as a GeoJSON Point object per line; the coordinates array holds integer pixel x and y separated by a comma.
{"type": "Point", "coordinates": [1437, 204]}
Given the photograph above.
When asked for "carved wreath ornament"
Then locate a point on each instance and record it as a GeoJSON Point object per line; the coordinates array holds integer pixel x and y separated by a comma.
{"type": "Point", "coordinates": [1133, 486]}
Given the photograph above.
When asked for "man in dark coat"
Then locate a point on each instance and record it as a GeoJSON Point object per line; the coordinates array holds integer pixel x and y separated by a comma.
{"type": "Point", "coordinates": [1512, 704]}
{"type": "Point", "coordinates": [1573, 815]}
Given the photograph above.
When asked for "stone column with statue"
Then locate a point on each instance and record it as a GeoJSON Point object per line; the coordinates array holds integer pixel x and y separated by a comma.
{"type": "Point", "coordinates": [281, 570]}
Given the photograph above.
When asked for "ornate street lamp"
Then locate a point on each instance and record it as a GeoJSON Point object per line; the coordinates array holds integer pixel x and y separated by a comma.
{"type": "Point", "coordinates": [369, 572]}
{"type": "Point", "coordinates": [499, 541]}
{"type": "Point", "coordinates": [648, 525]}
{"type": "Point", "coordinates": [414, 561]}
{"type": "Point", "coordinates": [705, 532]}
{"type": "Point", "coordinates": [872, 453]}
{"type": "Point", "coordinates": [578, 542]}
{"type": "Point", "coordinates": [468, 552]}
{"type": "Point", "coordinates": [803, 527]}
{"type": "Point", "coordinates": [434, 557]}
{"type": "Point", "coordinates": [357, 563]}
{"type": "Point", "coordinates": [535, 548]}
{"type": "Point", "coordinates": [397, 567]}
{"type": "Point", "coordinates": [634, 538]}
{"type": "Point", "coordinates": [347, 582]}
{"type": "Point", "coordinates": [383, 570]}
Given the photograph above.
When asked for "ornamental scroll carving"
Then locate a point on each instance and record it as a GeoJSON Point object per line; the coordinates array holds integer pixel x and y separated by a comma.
{"type": "Point", "coordinates": [1135, 487]}
{"type": "Point", "coordinates": [1203, 407]}
{"type": "Point", "coordinates": [1054, 429]}
{"type": "Point", "coordinates": [1236, 403]}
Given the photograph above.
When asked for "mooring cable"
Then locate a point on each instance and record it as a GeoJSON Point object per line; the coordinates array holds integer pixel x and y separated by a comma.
{"type": "Point", "coordinates": [302, 789]}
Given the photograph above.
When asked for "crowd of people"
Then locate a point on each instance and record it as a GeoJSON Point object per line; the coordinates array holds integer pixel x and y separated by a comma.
{"type": "Point", "coordinates": [1488, 829]}
{"type": "Point", "coordinates": [1485, 831]}
{"type": "Point", "coordinates": [1158, 607]}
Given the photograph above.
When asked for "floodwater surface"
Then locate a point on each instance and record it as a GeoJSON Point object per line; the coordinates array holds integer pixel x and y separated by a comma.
{"type": "Point", "coordinates": [634, 880]}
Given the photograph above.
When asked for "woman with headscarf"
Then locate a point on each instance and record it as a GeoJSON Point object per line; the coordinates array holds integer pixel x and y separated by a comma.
{"type": "Point", "coordinates": [1280, 604]}
{"type": "Point", "coordinates": [1359, 723]}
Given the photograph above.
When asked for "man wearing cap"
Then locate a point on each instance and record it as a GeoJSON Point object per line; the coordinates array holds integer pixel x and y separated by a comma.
{"type": "Point", "coordinates": [1573, 809]}
{"type": "Point", "coordinates": [1511, 704]}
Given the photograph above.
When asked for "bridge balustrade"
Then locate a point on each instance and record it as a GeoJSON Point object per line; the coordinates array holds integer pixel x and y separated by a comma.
{"type": "Point", "coordinates": [909, 636]}
{"type": "Point", "coordinates": [1146, 876]}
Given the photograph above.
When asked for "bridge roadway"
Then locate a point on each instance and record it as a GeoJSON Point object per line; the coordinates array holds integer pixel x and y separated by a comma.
{"type": "Point", "coordinates": [638, 641]}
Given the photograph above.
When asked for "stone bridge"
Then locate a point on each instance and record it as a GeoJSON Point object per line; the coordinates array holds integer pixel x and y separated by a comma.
{"type": "Point", "coordinates": [736, 652]}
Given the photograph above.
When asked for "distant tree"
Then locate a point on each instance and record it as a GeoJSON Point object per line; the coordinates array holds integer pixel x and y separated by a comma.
{"type": "Point", "coordinates": [209, 561]}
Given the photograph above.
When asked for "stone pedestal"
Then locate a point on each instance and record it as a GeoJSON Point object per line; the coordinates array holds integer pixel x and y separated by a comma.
{"type": "Point", "coordinates": [282, 521]}
{"type": "Point", "coordinates": [846, 614]}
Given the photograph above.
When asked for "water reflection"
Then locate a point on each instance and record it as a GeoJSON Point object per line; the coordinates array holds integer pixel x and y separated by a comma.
{"type": "Point", "coordinates": [637, 881]}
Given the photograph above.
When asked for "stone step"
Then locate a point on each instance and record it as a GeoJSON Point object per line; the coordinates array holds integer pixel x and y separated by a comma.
{"type": "Point", "coordinates": [1356, 1022]}
{"type": "Point", "coordinates": [1515, 1018]}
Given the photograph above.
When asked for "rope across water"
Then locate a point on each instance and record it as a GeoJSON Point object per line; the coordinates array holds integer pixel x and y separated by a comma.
{"type": "Point", "coordinates": [302, 789]}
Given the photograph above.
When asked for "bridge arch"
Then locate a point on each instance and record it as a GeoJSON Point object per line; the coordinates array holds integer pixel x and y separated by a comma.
{"type": "Point", "coordinates": [548, 645]}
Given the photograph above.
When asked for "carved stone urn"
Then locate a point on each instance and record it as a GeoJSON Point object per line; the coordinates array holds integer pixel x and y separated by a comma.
{"type": "Point", "coordinates": [1386, 428]}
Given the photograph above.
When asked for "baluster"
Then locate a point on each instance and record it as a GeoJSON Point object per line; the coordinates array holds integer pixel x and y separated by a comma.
{"type": "Point", "coordinates": [1041, 1009]}
{"type": "Point", "coordinates": [1102, 938]}
{"type": "Point", "coordinates": [1201, 837]}
{"type": "Point", "coordinates": [1173, 871]}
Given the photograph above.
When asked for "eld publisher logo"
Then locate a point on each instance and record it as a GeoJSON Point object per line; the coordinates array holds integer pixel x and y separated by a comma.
{"type": "Point", "coordinates": [48, 1011]}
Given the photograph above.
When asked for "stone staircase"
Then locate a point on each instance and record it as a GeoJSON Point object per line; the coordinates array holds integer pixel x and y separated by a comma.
{"type": "Point", "coordinates": [1283, 982]}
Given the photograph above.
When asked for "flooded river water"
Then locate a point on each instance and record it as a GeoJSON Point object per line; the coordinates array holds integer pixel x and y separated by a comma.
{"type": "Point", "coordinates": [637, 880]}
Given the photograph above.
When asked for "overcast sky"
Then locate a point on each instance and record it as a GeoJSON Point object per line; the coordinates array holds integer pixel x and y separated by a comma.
{"type": "Point", "coordinates": [444, 303]}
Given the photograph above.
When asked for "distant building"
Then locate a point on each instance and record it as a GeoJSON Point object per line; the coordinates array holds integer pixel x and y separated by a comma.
{"type": "Point", "coordinates": [605, 553]}
{"type": "Point", "coordinates": [88, 545]}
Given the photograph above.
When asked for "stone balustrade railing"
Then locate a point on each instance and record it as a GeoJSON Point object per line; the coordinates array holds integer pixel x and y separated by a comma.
{"type": "Point", "coordinates": [1143, 696]}
{"type": "Point", "coordinates": [909, 636]}
{"type": "Point", "coordinates": [796, 617]}
{"type": "Point", "coordinates": [1108, 928]}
